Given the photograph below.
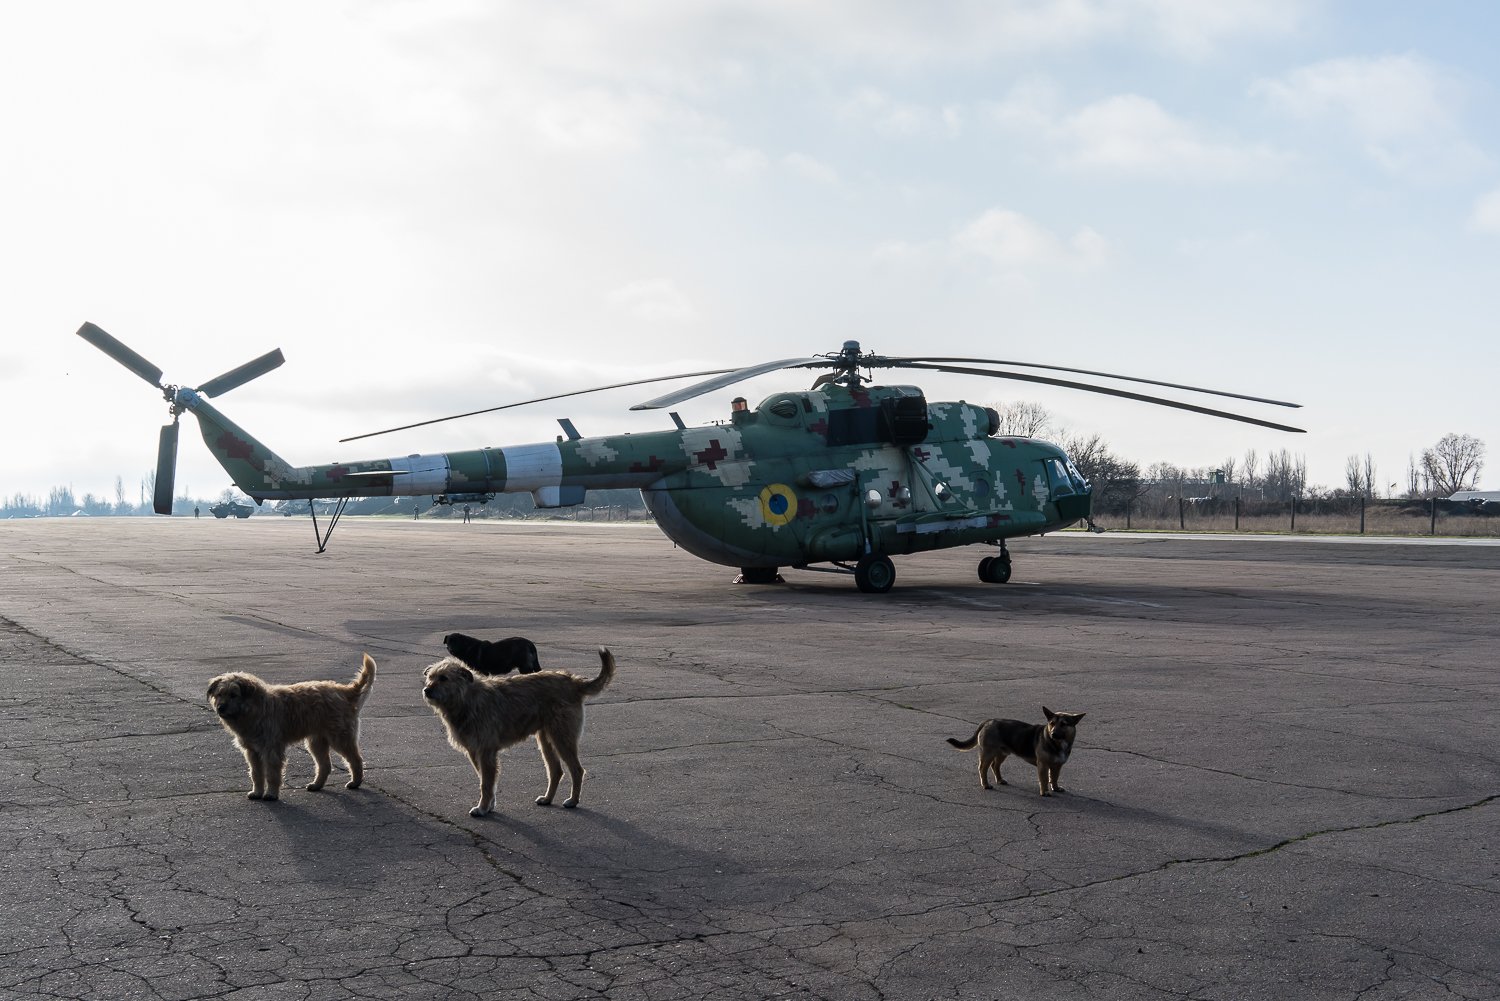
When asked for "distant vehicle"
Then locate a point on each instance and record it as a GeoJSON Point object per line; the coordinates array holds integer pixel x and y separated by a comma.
{"type": "Point", "coordinates": [1478, 498]}
{"type": "Point", "coordinates": [228, 508]}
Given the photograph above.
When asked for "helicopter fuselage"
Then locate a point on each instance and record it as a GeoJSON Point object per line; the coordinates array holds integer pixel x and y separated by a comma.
{"type": "Point", "coordinates": [829, 474]}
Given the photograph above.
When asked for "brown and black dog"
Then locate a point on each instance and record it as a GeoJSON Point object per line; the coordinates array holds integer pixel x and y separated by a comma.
{"type": "Point", "coordinates": [1045, 745]}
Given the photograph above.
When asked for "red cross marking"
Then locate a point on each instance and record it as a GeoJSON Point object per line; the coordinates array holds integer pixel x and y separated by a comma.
{"type": "Point", "coordinates": [713, 453]}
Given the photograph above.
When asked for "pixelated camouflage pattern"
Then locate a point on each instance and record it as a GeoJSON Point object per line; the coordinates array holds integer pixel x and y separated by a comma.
{"type": "Point", "coordinates": [758, 490]}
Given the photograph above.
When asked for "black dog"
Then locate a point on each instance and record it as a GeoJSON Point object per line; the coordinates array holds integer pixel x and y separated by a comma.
{"type": "Point", "coordinates": [494, 656]}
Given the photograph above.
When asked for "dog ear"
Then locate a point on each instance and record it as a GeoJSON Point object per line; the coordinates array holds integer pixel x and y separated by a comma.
{"type": "Point", "coordinates": [213, 687]}
{"type": "Point", "coordinates": [1048, 712]}
{"type": "Point", "coordinates": [1078, 716]}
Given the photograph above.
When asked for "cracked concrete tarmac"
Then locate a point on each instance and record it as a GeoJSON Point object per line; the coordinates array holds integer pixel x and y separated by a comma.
{"type": "Point", "coordinates": [1286, 784]}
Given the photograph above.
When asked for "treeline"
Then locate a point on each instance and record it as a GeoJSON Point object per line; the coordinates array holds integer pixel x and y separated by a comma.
{"type": "Point", "coordinates": [1451, 465]}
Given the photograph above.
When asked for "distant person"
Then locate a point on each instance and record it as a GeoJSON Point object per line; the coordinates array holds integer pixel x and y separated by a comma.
{"type": "Point", "coordinates": [416, 509]}
{"type": "Point", "coordinates": [195, 510]}
{"type": "Point", "coordinates": [466, 514]}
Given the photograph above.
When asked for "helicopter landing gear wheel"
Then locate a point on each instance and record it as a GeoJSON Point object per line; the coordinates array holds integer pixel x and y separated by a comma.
{"type": "Point", "coordinates": [994, 569]}
{"type": "Point", "coordinates": [758, 575]}
{"type": "Point", "coordinates": [875, 574]}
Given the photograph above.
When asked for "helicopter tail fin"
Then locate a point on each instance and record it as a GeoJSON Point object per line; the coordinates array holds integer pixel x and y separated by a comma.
{"type": "Point", "coordinates": [254, 467]}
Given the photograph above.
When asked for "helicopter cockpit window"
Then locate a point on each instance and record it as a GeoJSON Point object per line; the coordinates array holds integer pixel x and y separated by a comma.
{"type": "Point", "coordinates": [1078, 478]}
{"type": "Point", "coordinates": [1058, 478]}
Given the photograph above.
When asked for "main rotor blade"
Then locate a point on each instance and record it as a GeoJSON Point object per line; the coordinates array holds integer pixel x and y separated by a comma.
{"type": "Point", "coordinates": [901, 362]}
{"type": "Point", "coordinates": [1047, 381]}
{"type": "Point", "coordinates": [539, 399]}
{"type": "Point", "coordinates": [166, 469]}
{"type": "Point", "coordinates": [120, 353]}
{"type": "Point", "coordinates": [239, 376]}
{"type": "Point", "coordinates": [730, 378]}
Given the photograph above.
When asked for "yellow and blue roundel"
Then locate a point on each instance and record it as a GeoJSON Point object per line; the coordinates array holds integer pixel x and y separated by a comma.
{"type": "Point", "coordinates": [778, 505]}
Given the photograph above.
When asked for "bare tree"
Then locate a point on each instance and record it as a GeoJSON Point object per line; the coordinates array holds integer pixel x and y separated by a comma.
{"type": "Point", "coordinates": [1230, 467]}
{"type": "Point", "coordinates": [1252, 462]}
{"type": "Point", "coordinates": [1416, 479]}
{"type": "Point", "coordinates": [1115, 481]}
{"type": "Point", "coordinates": [1453, 464]}
{"type": "Point", "coordinates": [1369, 473]}
{"type": "Point", "coordinates": [1024, 419]}
{"type": "Point", "coordinates": [1286, 475]}
{"type": "Point", "coordinates": [1354, 476]}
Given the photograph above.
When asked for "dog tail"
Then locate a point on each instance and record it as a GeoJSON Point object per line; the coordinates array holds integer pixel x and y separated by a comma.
{"type": "Point", "coordinates": [363, 682]}
{"type": "Point", "coordinates": [606, 674]}
{"type": "Point", "coordinates": [964, 745]}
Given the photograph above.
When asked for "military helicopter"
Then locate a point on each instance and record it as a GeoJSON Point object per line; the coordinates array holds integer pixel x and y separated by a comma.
{"type": "Point", "coordinates": [841, 476]}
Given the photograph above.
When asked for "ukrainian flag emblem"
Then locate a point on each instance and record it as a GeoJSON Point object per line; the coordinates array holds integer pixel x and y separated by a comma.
{"type": "Point", "coordinates": [778, 505]}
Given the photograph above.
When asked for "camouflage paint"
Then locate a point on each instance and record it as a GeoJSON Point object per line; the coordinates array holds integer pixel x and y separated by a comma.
{"type": "Point", "coordinates": [770, 487]}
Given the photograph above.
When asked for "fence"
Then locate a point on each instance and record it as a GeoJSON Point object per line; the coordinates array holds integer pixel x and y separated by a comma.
{"type": "Point", "coordinates": [1335, 515]}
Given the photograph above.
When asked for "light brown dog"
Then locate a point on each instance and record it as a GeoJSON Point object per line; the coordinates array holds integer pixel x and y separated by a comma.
{"type": "Point", "coordinates": [1045, 745]}
{"type": "Point", "coordinates": [484, 714]}
{"type": "Point", "coordinates": [266, 719]}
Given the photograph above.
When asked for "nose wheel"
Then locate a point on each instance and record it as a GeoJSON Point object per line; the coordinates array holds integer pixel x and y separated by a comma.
{"type": "Point", "coordinates": [995, 569]}
{"type": "Point", "coordinates": [875, 574]}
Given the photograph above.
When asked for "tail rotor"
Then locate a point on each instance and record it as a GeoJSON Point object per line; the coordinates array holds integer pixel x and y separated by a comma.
{"type": "Point", "coordinates": [166, 468]}
{"type": "Point", "coordinates": [180, 399]}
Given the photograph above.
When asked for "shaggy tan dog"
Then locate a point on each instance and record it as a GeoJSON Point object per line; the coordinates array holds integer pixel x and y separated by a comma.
{"type": "Point", "coordinates": [484, 714]}
{"type": "Point", "coordinates": [266, 719]}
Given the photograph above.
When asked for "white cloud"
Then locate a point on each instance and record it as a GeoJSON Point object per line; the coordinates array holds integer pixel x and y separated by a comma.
{"type": "Point", "coordinates": [745, 162]}
{"type": "Point", "coordinates": [1404, 111]}
{"type": "Point", "coordinates": [810, 168]}
{"type": "Point", "coordinates": [598, 120]}
{"type": "Point", "coordinates": [1010, 241]}
{"type": "Point", "coordinates": [1130, 134]}
{"type": "Point", "coordinates": [1007, 241]}
{"type": "Point", "coordinates": [895, 119]}
{"type": "Point", "coordinates": [1133, 134]}
{"type": "Point", "coordinates": [1194, 28]}
{"type": "Point", "coordinates": [1486, 215]}
{"type": "Point", "coordinates": [655, 299]}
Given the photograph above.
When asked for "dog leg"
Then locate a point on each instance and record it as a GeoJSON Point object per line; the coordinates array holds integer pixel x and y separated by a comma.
{"type": "Point", "coordinates": [318, 748]}
{"type": "Point", "coordinates": [1042, 778]}
{"type": "Point", "coordinates": [984, 772]}
{"type": "Point", "coordinates": [274, 763]}
{"type": "Point", "coordinates": [1057, 771]}
{"type": "Point", "coordinates": [487, 764]}
{"type": "Point", "coordinates": [554, 767]}
{"type": "Point", "coordinates": [569, 751]}
{"type": "Point", "coordinates": [349, 751]}
{"type": "Point", "coordinates": [257, 774]}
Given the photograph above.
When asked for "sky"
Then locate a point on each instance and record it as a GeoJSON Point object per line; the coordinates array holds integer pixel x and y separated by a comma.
{"type": "Point", "coordinates": [435, 207]}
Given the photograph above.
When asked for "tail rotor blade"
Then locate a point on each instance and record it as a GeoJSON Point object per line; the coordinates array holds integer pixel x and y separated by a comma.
{"type": "Point", "coordinates": [239, 376]}
{"type": "Point", "coordinates": [120, 353]}
{"type": "Point", "coordinates": [166, 468]}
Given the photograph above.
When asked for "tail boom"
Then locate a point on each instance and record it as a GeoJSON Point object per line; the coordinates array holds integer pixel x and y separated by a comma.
{"type": "Point", "coordinates": [556, 474]}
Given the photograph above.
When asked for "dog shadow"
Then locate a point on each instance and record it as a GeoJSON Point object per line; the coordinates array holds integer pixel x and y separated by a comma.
{"type": "Point", "coordinates": [603, 847]}
{"type": "Point", "coordinates": [1109, 811]}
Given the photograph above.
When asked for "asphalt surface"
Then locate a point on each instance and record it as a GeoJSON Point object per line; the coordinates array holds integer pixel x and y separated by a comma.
{"type": "Point", "coordinates": [1285, 787]}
